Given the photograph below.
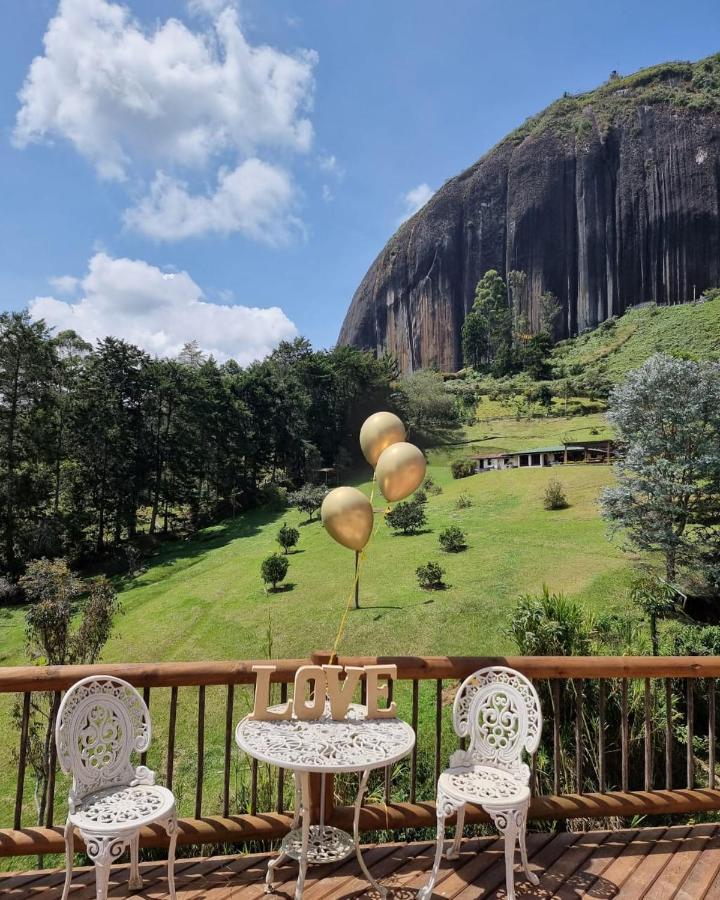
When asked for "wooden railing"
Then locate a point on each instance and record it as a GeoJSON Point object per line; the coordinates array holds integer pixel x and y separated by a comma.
{"type": "Point", "coordinates": [623, 736]}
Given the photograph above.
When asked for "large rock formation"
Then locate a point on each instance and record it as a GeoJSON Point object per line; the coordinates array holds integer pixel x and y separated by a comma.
{"type": "Point", "coordinates": [608, 199]}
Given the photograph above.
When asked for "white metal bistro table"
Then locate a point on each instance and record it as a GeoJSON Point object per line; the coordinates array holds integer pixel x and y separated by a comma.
{"type": "Point", "coordinates": [327, 747]}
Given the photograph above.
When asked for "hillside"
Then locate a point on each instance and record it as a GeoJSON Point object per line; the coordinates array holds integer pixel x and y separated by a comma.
{"type": "Point", "coordinates": [608, 199]}
{"type": "Point", "coordinates": [207, 601]}
{"type": "Point", "coordinates": [618, 345]}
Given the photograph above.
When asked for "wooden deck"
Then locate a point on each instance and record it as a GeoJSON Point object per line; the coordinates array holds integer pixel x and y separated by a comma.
{"type": "Point", "coordinates": [680, 862]}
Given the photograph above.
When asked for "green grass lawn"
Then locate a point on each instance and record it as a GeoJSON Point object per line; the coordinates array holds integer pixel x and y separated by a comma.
{"type": "Point", "coordinates": [688, 328]}
{"type": "Point", "coordinates": [203, 598]}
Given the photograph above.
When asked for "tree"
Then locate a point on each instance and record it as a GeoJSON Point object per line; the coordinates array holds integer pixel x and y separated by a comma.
{"type": "Point", "coordinates": [287, 537]}
{"type": "Point", "coordinates": [274, 569]}
{"type": "Point", "coordinates": [535, 356]}
{"type": "Point", "coordinates": [406, 517]}
{"type": "Point", "coordinates": [60, 631]}
{"type": "Point", "coordinates": [488, 327]}
{"type": "Point", "coordinates": [656, 600]}
{"type": "Point", "coordinates": [428, 403]}
{"type": "Point", "coordinates": [27, 363]}
{"type": "Point", "coordinates": [474, 340]}
{"type": "Point", "coordinates": [667, 496]}
{"type": "Point", "coordinates": [453, 539]}
{"type": "Point", "coordinates": [550, 310]}
{"type": "Point", "coordinates": [308, 499]}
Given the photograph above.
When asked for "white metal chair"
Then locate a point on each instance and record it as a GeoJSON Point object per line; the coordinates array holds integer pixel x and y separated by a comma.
{"type": "Point", "coordinates": [499, 710]}
{"type": "Point", "coordinates": [101, 721]}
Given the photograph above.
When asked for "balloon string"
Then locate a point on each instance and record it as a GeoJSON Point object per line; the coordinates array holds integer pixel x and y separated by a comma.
{"type": "Point", "coordinates": [348, 606]}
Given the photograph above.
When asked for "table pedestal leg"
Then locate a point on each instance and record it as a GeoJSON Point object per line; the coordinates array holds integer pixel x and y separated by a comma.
{"type": "Point", "coordinates": [305, 814]}
{"type": "Point", "coordinates": [273, 863]}
{"type": "Point", "coordinates": [356, 834]}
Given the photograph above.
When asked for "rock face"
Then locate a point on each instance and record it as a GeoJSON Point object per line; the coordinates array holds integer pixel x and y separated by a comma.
{"type": "Point", "coordinates": [607, 200]}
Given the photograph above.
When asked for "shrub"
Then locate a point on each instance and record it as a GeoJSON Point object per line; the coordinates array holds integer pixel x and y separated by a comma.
{"type": "Point", "coordinates": [308, 499]}
{"type": "Point", "coordinates": [430, 576]}
{"type": "Point", "coordinates": [274, 496]}
{"type": "Point", "coordinates": [287, 537]}
{"type": "Point", "coordinates": [431, 487]}
{"type": "Point", "coordinates": [462, 468]}
{"type": "Point", "coordinates": [464, 501]}
{"type": "Point", "coordinates": [419, 497]}
{"type": "Point", "coordinates": [550, 625]}
{"type": "Point", "coordinates": [554, 497]}
{"type": "Point", "coordinates": [407, 517]}
{"type": "Point", "coordinates": [452, 539]}
{"type": "Point", "coordinates": [274, 569]}
{"type": "Point", "coordinates": [9, 592]}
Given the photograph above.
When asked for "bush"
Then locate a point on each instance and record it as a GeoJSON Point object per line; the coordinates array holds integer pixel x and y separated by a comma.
{"type": "Point", "coordinates": [407, 517]}
{"type": "Point", "coordinates": [550, 625]}
{"type": "Point", "coordinates": [452, 539]}
{"type": "Point", "coordinates": [273, 569]}
{"type": "Point", "coordinates": [419, 497]}
{"type": "Point", "coordinates": [9, 592]}
{"type": "Point", "coordinates": [462, 468]}
{"type": "Point", "coordinates": [287, 537]}
{"type": "Point", "coordinates": [464, 501]}
{"type": "Point", "coordinates": [430, 576]}
{"type": "Point", "coordinates": [554, 497]}
{"type": "Point", "coordinates": [308, 499]}
{"type": "Point", "coordinates": [432, 488]}
{"type": "Point", "coordinates": [273, 496]}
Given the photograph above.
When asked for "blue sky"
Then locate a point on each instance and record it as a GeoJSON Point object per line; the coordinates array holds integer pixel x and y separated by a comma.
{"type": "Point", "coordinates": [229, 176]}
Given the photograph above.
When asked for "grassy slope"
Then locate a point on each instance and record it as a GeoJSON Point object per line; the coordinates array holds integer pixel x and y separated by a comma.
{"type": "Point", "coordinates": [691, 328]}
{"type": "Point", "coordinates": [203, 598]}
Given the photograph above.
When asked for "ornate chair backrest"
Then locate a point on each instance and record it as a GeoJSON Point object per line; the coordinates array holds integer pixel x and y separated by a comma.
{"type": "Point", "coordinates": [499, 710]}
{"type": "Point", "coordinates": [101, 721]}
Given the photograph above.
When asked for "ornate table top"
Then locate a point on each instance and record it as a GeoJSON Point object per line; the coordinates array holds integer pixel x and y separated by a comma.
{"type": "Point", "coordinates": [352, 744]}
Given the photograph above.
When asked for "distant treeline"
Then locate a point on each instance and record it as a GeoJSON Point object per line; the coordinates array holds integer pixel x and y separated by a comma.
{"type": "Point", "coordinates": [99, 443]}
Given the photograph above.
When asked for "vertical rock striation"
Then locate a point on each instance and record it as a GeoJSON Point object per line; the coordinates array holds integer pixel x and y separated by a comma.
{"type": "Point", "coordinates": [607, 200]}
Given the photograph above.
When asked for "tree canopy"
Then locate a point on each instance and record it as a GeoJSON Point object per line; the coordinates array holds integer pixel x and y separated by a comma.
{"type": "Point", "coordinates": [99, 443]}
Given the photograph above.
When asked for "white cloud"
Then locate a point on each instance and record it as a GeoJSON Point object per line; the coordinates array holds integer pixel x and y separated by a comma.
{"type": "Point", "coordinates": [173, 95]}
{"type": "Point", "coordinates": [161, 311]}
{"type": "Point", "coordinates": [329, 163]}
{"type": "Point", "coordinates": [327, 193]}
{"type": "Point", "coordinates": [208, 7]}
{"type": "Point", "coordinates": [65, 284]}
{"type": "Point", "coordinates": [415, 199]}
{"type": "Point", "coordinates": [255, 199]}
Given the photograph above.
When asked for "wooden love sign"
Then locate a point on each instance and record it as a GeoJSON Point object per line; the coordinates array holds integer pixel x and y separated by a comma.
{"type": "Point", "coordinates": [309, 702]}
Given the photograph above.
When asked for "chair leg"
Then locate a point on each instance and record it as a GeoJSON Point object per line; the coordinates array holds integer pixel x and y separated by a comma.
{"type": "Point", "coordinates": [135, 883]}
{"type": "Point", "coordinates": [506, 822]}
{"type": "Point", "coordinates": [103, 851]}
{"type": "Point", "coordinates": [522, 828]}
{"type": "Point", "coordinates": [454, 851]}
{"type": "Point", "coordinates": [171, 829]}
{"type": "Point", "coordinates": [69, 858]}
{"type": "Point", "coordinates": [444, 807]}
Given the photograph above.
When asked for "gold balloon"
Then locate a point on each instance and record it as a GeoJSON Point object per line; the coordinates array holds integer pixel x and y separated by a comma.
{"type": "Point", "coordinates": [379, 431]}
{"type": "Point", "coordinates": [347, 515]}
{"type": "Point", "coordinates": [400, 471]}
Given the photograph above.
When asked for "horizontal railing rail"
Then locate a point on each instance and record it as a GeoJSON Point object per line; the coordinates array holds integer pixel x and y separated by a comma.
{"type": "Point", "coordinates": [623, 736]}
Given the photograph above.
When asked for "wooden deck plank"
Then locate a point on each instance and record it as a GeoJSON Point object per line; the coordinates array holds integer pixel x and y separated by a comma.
{"type": "Point", "coordinates": [585, 876]}
{"type": "Point", "coordinates": [703, 872]}
{"type": "Point", "coordinates": [677, 863]}
{"type": "Point", "coordinates": [668, 883]}
{"type": "Point", "coordinates": [554, 876]}
{"type": "Point", "coordinates": [646, 873]}
{"type": "Point", "coordinates": [608, 884]}
{"type": "Point", "coordinates": [491, 884]}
